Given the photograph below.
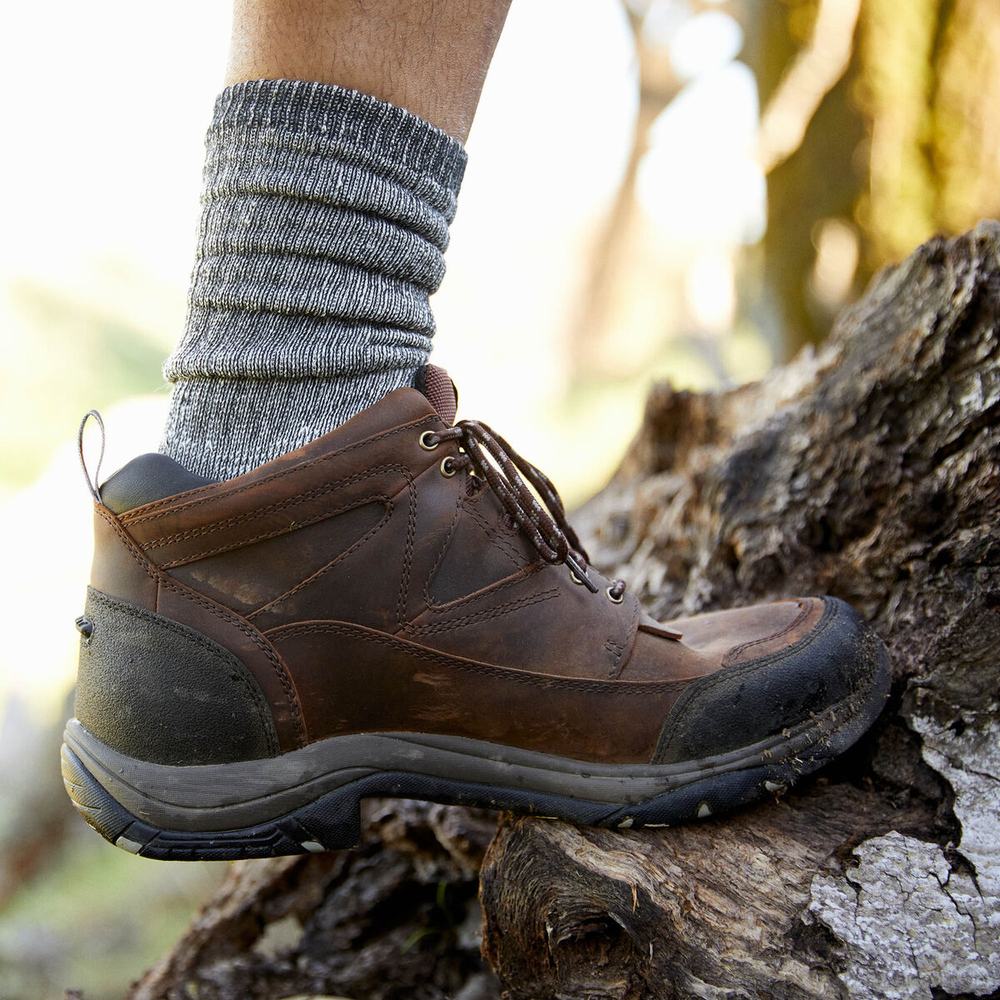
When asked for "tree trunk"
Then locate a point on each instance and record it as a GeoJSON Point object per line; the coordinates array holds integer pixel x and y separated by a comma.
{"type": "Point", "coordinates": [869, 471]}
{"type": "Point", "coordinates": [820, 181]}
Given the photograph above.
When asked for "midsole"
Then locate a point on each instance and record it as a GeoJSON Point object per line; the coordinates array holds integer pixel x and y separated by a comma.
{"type": "Point", "coordinates": [229, 796]}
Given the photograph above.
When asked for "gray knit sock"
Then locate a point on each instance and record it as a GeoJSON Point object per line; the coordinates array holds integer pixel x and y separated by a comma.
{"type": "Point", "coordinates": [324, 225]}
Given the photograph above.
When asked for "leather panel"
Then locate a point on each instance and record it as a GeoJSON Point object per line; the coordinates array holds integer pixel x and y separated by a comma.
{"type": "Point", "coordinates": [236, 634]}
{"type": "Point", "coordinates": [539, 619]}
{"type": "Point", "coordinates": [741, 634]}
{"type": "Point", "coordinates": [500, 551]}
{"type": "Point", "coordinates": [234, 578]}
{"type": "Point", "coordinates": [115, 570]}
{"type": "Point", "coordinates": [181, 604]}
{"type": "Point", "coordinates": [751, 700]}
{"type": "Point", "coordinates": [355, 680]}
{"type": "Point", "coordinates": [384, 434]}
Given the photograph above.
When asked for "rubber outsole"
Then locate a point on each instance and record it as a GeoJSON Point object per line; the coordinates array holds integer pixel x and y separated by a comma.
{"type": "Point", "coordinates": [333, 820]}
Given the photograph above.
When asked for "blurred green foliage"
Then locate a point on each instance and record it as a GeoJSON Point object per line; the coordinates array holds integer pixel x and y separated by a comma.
{"type": "Point", "coordinates": [95, 920]}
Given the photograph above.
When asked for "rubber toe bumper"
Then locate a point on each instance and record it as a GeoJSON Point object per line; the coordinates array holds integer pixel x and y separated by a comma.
{"type": "Point", "coordinates": [747, 702]}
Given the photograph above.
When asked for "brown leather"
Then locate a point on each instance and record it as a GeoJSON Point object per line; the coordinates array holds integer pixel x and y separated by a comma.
{"type": "Point", "coordinates": [348, 675]}
{"type": "Point", "coordinates": [366, 590]}
{"type": "Point", "coordinates": [766, 628]}
{"type": "Point", "coordinates": [117, 569]}
{"type": "Point", "coordinates": [121, 570]}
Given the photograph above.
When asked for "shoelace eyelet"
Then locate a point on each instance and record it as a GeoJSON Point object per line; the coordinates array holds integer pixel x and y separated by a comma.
{"type": "Point", "coordinates": [428, 440]}
{"type": "Point", "coordinates": [530, 500]}
{"type": "Point", "coordinates": [471, 468]}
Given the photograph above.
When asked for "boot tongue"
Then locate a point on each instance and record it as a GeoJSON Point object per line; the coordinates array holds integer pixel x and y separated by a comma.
{"type": "Point", "coordinates": [436, 384]}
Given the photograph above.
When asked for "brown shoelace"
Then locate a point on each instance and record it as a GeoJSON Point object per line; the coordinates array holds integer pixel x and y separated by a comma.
{"type": "Point", "coordinates": [488, 456]}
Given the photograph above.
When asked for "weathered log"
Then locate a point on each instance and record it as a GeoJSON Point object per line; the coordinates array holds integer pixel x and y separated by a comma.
{"type": "Point", "coordinates": [396, 918]}
{"type": "Point", "coordinates": [868, 470]}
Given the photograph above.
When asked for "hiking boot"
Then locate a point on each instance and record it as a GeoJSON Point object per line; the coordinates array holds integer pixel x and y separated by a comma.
{"type": "Point", "coordinates": [400, 608]}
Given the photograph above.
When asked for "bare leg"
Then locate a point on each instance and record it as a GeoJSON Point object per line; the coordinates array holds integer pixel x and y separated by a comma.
{"type": "Point", "coordinates": [428, 56]}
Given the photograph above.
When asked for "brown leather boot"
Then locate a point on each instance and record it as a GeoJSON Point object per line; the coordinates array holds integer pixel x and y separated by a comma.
{"type": "Point", "coordinates": [401, 609]}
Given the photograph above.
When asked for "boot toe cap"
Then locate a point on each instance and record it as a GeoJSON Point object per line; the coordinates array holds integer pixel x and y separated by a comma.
{"type": "Point", "coordinates": [763, 689]}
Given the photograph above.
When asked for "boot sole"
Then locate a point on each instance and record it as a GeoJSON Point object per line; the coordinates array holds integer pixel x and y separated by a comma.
{"type": "Point", "coordinates": [309, 800]}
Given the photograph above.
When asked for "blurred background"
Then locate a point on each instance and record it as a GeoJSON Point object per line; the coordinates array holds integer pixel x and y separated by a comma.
{"type": "Point", "coordinates": [703, 186]}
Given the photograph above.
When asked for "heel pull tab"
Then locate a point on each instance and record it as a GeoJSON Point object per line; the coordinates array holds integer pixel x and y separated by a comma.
{"type": "Point", "coordinates": [436, 384]}
{"type": "Point", "coordinates": [92, 484]}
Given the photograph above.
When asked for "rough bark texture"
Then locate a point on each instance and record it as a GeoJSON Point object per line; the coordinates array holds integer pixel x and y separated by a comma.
{"type": "Point", "coordinates": [396, 918]}
{"type": "Point", "coordinates": [870, 471]}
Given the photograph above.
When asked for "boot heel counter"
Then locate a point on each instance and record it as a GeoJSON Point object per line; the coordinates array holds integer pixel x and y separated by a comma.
{"type": "Point", "coordinates": [121, 570]}
{"type": "Point", "coordinates": [157, 690]}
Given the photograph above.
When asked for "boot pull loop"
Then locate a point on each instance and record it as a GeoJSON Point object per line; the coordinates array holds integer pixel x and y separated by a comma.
{"type": "Point", "coordinates": [92, 484]}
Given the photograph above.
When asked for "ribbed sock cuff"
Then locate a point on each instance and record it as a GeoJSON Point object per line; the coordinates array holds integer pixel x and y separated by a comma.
{"type": "Point", "coordinates": [373, 127]}
{"type": "Point", "coordinates": [223, 427]}
{"type": "Point", "coordinates": [322, 235]}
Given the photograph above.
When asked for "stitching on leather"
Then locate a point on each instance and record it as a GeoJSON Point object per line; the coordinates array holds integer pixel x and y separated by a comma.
{"type": "Point", "coordinates": [224, 656]}
{"type": "Point", "coordinates": [497, 611]}
{"type": "Point", "coordinates": [483, 592]}
{"type": "Point", "coordinates": [617, 649]}
{"type": "Point", "coordinates": [323, 570]}
{"type": "Point", "coordinates": [219, 612]}
{"type": "Point", "coordinates": [734, 654]}
{"type": "Point", "coordinates": [614, 651]}
{"type": "Point", "coordinates": [161, 508]}
{"type": "Point", "coordinates": [243, 542]}
{"type": "Point", "coordinates": [611, 688]}
{"type": "Point", "coordinates": [278, 665]}
{"type": "Point", "coordinates": [503, 544]}
{"type": "Point", "coordinates": [126, 540]}
{"type": "Point", "coordinates": [411, 531]}
{"type": "Point", "coordinates": [278, 505]}
{"type": "Point", "coordinates": [428, 600]}
{"type": "Point", "coordinates": [751, 666]}
{"type": "Point", "coordinates": [522, 574]}
{"type": "Point", "coordinates": [230, 522]}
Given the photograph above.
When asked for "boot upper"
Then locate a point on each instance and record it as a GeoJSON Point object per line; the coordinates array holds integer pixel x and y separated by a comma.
{"type": "Point", "coordinates": [367, 584]}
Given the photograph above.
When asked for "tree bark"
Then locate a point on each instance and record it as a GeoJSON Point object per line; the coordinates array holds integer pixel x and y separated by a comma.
{"type": "Point", "coordinates": [395, 918]}
{"type": "Point", "coordinates": [868, 470]}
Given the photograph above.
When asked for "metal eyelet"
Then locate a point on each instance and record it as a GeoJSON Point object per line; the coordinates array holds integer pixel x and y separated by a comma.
{"type": "Point", "coordinates": [426, 441]}
{"type": "Point", "coordinates": [612, 598]}
{"type": "Point", "coordinates": [471, 467]}
{"type": "Point", "coordinates": [575, 578]}
{"type": "Point", "coordinates": [448, 467]}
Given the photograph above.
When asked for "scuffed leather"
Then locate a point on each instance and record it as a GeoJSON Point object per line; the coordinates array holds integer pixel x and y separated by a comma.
{"type": "Point", "coordinates": [348, 676]}
{"type": "Point", "coordinates": [751, 700]}
{"type": "Point", "coordinates": [365, 591]}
